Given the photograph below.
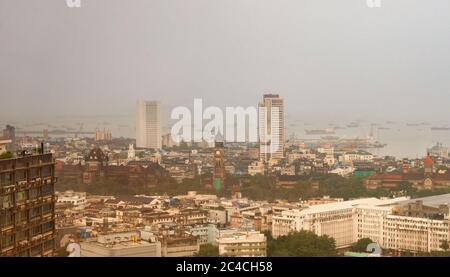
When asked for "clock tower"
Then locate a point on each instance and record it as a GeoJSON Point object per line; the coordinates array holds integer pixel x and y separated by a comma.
{"type": "Point", "coordinates": [219, 167]}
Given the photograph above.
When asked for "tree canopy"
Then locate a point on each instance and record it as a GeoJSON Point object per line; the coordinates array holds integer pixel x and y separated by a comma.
{"type": "Point", "coordinates": [301, 244]}
{"type": "Point", "coordinates": [361, 245]}
{"type": "Point", "coordinates": [208, 250]}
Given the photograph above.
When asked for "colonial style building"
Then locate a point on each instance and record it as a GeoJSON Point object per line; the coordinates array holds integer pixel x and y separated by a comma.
{"type": "Point", "coordinates": [96, 167]}
{"type": "Point", "coordinates": [429, 179]}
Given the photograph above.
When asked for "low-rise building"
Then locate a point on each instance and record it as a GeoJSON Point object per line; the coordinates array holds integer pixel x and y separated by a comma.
{"type": "Point", "coordinates": [255, 168]}
{"type": "Point", "coordinates": [242, 244]}
{"type": "Point", "coordinates": [77, 199]}
{"type": "Point", "coordinates": [128, 244]}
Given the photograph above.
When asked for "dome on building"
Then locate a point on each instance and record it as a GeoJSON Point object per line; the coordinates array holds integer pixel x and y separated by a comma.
{"type": "Point", "coordinates": [97, 155]}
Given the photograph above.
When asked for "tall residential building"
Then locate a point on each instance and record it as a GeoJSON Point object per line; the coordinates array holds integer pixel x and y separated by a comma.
{"type": "Point", "coordinates": [104, 135]}
{"type": "Point", "coordinates": [27, 206]}
{"type": "Point", "coordinates": [271, 127]}
{"type": "Point", "coordinates": [148, 125]}
{"type": "Point", "coordinates": [10, 133]}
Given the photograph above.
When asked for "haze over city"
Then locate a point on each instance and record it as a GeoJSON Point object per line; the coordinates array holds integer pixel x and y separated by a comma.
{"type": "Point", "coordinates": [329, 59]}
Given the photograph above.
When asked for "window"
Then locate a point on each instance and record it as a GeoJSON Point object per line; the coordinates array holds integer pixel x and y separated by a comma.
{"type": "Point", "coordinates": [35, 212]}
{"type": "Point", "coordinates": [36, 231]}
{"type": "Point", "coordinates": [47, 227]}
{"type": "Point", "coordinates": [35, 251]}
{"type": "Point", "coordinates": [22, 235]}
{"type": "Point", "coordinates": [34, 193]}
{"type": "Point", "coordinates": [6, 219]}
{"type": "Point", "coordinates": [47, 208]}
{"type": "Point", "coordinates": [46, 171]}
{"type": "Point", "coordinates": [33, 173]}
{"type": "Point", "coordinates": [5, 179]}
{"type": "Point", "coordinates": [6, 201]}
{"type": "Point", "coordinates": [48, 245]}
{"type": "Point", "coordinates": [21, 216]}
{"type": "Point", "coordinates": [21, 163]}
{"type": "Point", "coordinates": [23, 253]}
{"type": "Point", "coordinates": [21, 175]}
{"type": "Point", "coordinates": [21, 196]}
{"type": "Point", "coordinates": [47, 189]}
{"type": "Point", "coordinates": [7, 240]}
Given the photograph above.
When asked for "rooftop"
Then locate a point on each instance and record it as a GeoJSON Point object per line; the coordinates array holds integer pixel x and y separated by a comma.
{"type": "Point", "coordinates": [432, 201]}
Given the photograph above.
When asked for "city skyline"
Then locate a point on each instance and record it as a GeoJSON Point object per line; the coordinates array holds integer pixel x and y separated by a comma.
{"type": "Point", "coordinates": [228, 129]}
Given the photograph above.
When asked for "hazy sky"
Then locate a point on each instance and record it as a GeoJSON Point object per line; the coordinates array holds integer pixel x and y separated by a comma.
{"type": "Point", "coordinates": [327, 58]}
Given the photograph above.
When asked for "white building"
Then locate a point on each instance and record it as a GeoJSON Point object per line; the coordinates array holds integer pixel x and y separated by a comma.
{"type": "Point", "coordinates": [205, 233]}
{"type": "Point", "coordinates": [271, 127]}
{"type": "Point", "coordinates": [131, 152]}
{"type": "Point", "coordinates": [217, 215]}
{"type": "Point", "coordinates": [148, 125]}
{"type": "Point", "coordinates": [292, 157]}
{"type": "Point", "coordinates": [414, 233]}
{"type": "Point", "coordinates": [343, 171]}
{"type": "Point", "coordinates": [77, 199]}
{"type": "Point", "coordinates": [438, 150]}
{"type": "Point", "coordinates": [337, 220]}
{"type": "Point", "coordinates": [360, 156]}
{"type": "Point", "coordinates": [328, 150]}
{"type": "Point", "coordinates": [3, 144]}
{"type": "Point", "coordinates": [255, 168]}
{"type": "Point", "coordinates": [349, 221]}
{"type": "Point", "coordinates": [242, 244]}
{"type": "Point", "coordinates": [128, 244]}
{"type": "Point", "coordinates": [288, 170]}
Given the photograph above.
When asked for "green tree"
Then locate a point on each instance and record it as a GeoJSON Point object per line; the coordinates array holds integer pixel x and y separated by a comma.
{"type": "Point", "coordinates": [208, 250]}
{"type": "Point", "coordinates": [301, 244]}
{"type": "Point", "coordinates": [361, 245]}
{"type": "Point", "coordinates": [6, 155]}
{"type": "Point", "coordinates": [444, 245]}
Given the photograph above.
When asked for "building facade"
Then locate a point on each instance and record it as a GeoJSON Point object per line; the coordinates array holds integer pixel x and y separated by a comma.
{"type": "Point", "coordinates": [148, 125]}
{"type": "Point", "coordinates": [271, 127]}
{"type": "Point", "coordinates": [242, 244]}
{"type": "Point", "coordinates": [349, 221]}
{"type": "Point", "coordinates": [27, 206]}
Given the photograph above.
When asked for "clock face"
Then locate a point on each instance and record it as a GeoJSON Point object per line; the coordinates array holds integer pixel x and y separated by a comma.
{"type": "Point", "coordinates": [428, 182]}
{"type": "Point", "coordinates": [217, 152]}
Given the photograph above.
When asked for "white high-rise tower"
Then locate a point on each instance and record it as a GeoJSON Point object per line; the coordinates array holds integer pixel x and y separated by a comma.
{"type": "Point", "coordinates": [148, 125]}
{"type": "Point", "coordinates": [271, 127]}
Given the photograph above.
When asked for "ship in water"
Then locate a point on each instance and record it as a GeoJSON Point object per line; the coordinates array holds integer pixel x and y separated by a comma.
{"type": "Point", "coordinates": [440, 128]}
{"type": "Point", "coordinates": [362, 143]}
{"type": "Point", "coordinates": [320, 132]}
{"type": "Point", "coordinates": [353, 125]}
{"type": "Point", "coordinates": [328, 138]}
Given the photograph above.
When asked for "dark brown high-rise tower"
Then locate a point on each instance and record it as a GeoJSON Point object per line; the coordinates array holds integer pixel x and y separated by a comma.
{"type": "Point", "coordinates": [27, 206]}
